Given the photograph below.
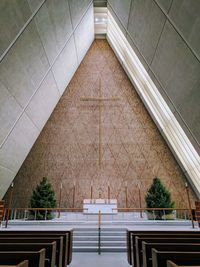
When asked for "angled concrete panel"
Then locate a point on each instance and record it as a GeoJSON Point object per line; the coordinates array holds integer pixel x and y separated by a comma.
{"type": "Point", "coordinates": [165, 4]}
{"type": "Point", "coordinates": [175, 66]}
{"type": "Point", "coordinates": [24, 66]}
{"type": "Point", "coordinates": [84, 34]}
{"type": "Point", "coordinates": [10, 110]}
{"type": "Point", "coordinates": [34, 4]}
{"type": "Point", "coordinates": [43, 102]}
{"type": "Point", "coordinates": [54, 26]}
{"type": "Point", "coordinates": [15, 149]}
{"type": "Point", "coordinates": [65, 65]}
{"type": "Point", "coordinates": [122, 9]}
{"type": "Point", "coordinates": [13, 16]}
{"type": "Point", "coordinates": [77, 9]}
{"type": "Point", "coordinates": [190, 109]}
{"type": "Point", "coordinates": [186, 16]}
{"type": "Point", "coordinates": [6, 179]}
{"type": "Point", "coordinates": [118, 21]}
{"type": "Point", "coordinates": [145, 26]}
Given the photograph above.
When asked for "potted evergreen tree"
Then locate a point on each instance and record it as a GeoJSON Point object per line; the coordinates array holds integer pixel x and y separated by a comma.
{"type": "Point", "coordinates": [43, 197]}
{"type": "Point", "coordinates": [159, 197]}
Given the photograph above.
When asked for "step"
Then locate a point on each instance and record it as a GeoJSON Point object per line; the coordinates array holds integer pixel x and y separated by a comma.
{"type": "Point", "coordinates": [95, 233]}
{"type": "Point", "coordinates": [103, 249]}
{"type": "Point", "coordinates": [106, 229]}
{"type": "Point", "coordinates": [103, 238]}
{"type": "Point", "coordinates": [95, 243]}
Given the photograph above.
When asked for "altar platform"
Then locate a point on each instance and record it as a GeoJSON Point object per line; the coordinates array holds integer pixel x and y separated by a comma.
{"type": "Point", "coordinates": [105, 206]}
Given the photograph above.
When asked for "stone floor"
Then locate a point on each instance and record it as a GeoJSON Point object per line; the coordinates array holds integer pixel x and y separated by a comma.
{"type": "Point", "coordinates": [103, 260]}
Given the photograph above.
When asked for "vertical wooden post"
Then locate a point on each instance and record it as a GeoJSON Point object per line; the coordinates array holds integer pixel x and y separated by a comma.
{"type": "Point", "coordinates": [9, 205]}
{"type": "Point", "coordinates": [108, 192]}
{"type": "Point", "coordinates": [126, 192]}
{"type": "Point", "coordinates": [60, 199]}
{"type": "Point", "coordinates": [140, 201]}
{"type": "Point", "coordinates": [91, 192]}
{"type": "Point", "coordinates": [189, 204]}
{"type": "Point", "coordinates": [74, 191]}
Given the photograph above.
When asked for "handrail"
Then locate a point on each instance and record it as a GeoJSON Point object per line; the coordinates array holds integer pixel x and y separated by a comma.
{"type": "Point", "coordinates": [143, 209]}
{"type": "Point", "coordinates": [99, 232]}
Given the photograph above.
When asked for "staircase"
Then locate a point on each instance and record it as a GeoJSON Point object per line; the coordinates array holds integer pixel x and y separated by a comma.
{"type": "Point", "coordinates": [112, 240]}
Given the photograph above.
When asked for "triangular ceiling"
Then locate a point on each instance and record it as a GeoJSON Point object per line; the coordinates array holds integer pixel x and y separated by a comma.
{"type": "Point", "coordinates": [131, 149]}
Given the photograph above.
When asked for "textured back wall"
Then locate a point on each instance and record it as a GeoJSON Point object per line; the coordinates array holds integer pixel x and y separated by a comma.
{"type": "Point", "coordinates": [41, 45]}
{"type": "Point", "coordinates": [165, 36]}
{"type": "Point", "coordinates": [127, 149]}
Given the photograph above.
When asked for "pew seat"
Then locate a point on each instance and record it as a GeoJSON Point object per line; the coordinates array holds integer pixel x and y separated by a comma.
{"type": "Point", "coordinates": [21, 264]}
{"type": "Point", "coordinates": [172, 264]}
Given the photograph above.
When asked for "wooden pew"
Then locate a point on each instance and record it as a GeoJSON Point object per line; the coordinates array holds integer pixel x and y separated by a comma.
{"type": "Point", "coordinates": [169, 239]}
{"type": "Point", "coordinates": [159, 258]}
{"type": "Point", "coordinates": [147, 249]}
{"type": "Point", "coordinates": [67, 239]}
{"type": "Point", "coordinates": [35, 258]}
{"type": "Point", "coordinates": [50, 254]}
{"type": "Point", "coordinates": [131, 252]}
{"type": "Point", "coordinates": [33, 240]}
{"type": "Point", "coordinates": [172, 264]}
{"type": "Point", "coordinates": [21, 264]}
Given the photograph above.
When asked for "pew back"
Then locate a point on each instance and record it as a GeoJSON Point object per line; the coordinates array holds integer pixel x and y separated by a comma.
{"type": "Point", "coordinates": [147, 250]}
{"type": "Point", "coordinates": [160, 258]}
{"type": "Point", "coordinates": [35, 258]}
{"type": "Point", "coordinates": [50, 248]}
{"type": "Point", "coordinates": [166, 240]}
{"type": "Point", "coordinates": [131, 251]}
{"type": "Point", "coordinates": [67, 239]}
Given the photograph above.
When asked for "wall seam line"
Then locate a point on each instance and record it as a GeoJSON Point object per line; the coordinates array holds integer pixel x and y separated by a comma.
{"type": "Point", "coordinates": [21, 31]}
{"type": "Point", "coordinates": [166, 94]}
{"type": "Point", "coordinates": [48, 70]}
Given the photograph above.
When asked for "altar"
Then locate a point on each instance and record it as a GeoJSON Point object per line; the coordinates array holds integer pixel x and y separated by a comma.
{"type": "Point", "coordinates": [106, 206]}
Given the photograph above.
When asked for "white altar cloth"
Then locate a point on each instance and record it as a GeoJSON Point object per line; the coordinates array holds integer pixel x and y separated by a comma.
{"type": "Point", "coordinates": [106, 206]}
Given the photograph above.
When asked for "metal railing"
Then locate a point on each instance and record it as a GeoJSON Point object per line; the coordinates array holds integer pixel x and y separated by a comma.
{"type": "Point", "coordinates": [99, 232]}
{"type": "Point", "coordinates": [162, 213]}
{"type": "Point", "coordinates": [76, 213]}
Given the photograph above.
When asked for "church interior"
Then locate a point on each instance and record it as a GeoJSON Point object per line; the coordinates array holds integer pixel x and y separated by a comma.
{"type": "Point", "coordinates": [100, 133]}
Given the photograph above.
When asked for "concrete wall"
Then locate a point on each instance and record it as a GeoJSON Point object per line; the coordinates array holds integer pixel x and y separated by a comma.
{"type": "Point", "coordinates": [41, 46]}
{"type": "Point", "coordinates": [165, 36]}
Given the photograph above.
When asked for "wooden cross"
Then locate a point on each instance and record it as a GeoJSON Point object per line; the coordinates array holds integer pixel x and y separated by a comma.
{"type": "Point", "coordinates": [100, 99]}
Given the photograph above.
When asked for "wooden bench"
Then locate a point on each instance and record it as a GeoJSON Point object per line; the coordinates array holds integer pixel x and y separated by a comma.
{"type": "Point", "coordinates": [131, 251]}
{"type": "Point", "coordinates": [67, 239]}
{"type": "Point", "coordinates": [35, 258]}
{"type": "Point", "coordinates": [33, 240]}
{"type": "Point", "coordinates": [172, 264]}
{"type": "Point", "coordinates": [169, 239]}
{"type": "Point", "coordinates": [147, 249]}
{"type": "Point", "coordinates": [50, 254]}
{"type": "Point", "coordinates": [160, 258]}
{"type": "Point", "coordinates": [21, 264]}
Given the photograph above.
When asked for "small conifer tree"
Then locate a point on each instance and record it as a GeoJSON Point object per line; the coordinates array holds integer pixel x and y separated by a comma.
{"type": "Point", "coordinates": [159, 197]}
{"type": "Point", "coordinates": [43, 197]}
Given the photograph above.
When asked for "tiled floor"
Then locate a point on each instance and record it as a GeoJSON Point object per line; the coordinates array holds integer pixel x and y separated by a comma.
{"type": "Point", "coordinates": [103, 260]}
